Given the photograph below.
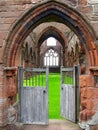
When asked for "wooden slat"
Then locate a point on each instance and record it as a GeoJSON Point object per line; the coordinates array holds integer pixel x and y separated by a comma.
{"type": "Point", "coordinates": [34, 105]}
{"type": "Point", "coordinates": [67, 69]}
{"type": "Point", "coordinates": [70, 94]}
{"type": "Point", "coordinates": [68, 102]}
{"type": "Point", "coordinates": [33, 101]}
{"type": "Point", "coordinates": [35, 70]}
{"type": "Point", "coordinates": [20, 81]}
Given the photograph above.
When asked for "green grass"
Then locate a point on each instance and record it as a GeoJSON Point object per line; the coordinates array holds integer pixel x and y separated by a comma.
{"type": "Point", "coordinates": [54, 96]}
{"type": "Point", "coordinates": [35, 81]}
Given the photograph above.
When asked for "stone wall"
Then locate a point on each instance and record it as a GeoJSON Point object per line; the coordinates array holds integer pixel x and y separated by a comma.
{"type": "Point", "coordinates": [10, 12]}
{"type": "Point", "coordinates": [89, 99]}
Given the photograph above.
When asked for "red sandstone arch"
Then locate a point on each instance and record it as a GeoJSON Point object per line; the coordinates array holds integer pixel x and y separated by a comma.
{"type": "Point", "coordinates": [54, 32]}
{"type": "Point", "coordinates": [50, 30]}
{"type": "Point", "coordinates": [58, 12]}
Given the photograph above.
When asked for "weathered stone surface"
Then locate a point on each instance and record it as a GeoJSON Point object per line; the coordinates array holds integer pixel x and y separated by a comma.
{"type": "Point", "coordinates": [95, 127]}
{"type": "Point", "coordinates": [92, 1]}
{"type": "Point", "coordinates": [86, 81]}
{"type": "Point", "coordinates": [12, 113]}
{"type": "Point", "coordinates": [86, 9]}
{"type": "Point", "coordinates": [12, 11]}
{"type": "Point", "coordinates": [95, 8]}
{"type": "Point", "coordinates": [14, 2]}
{"type": "Point", "coordinates": [82, 2]}
{"type": "Point", "coordinates": [11, 81]}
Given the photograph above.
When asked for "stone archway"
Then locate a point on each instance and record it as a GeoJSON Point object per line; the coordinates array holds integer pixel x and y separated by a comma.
{"type": "Point", "coordinates": [57, 12]}
{"type": "Point", "coordinates": [62, 13]}
{"type": "Point", "coordinates": [52, 31]}
{"type": "Point", "coordinates": [57, 34]}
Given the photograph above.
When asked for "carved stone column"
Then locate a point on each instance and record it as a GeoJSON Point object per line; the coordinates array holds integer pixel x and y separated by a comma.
{"type": "Point", "coordinates": [11, 75]}
{"type": "Point", "coordinates": [11, 87]}
{"type": "Point", "coordinates": [3, 98]}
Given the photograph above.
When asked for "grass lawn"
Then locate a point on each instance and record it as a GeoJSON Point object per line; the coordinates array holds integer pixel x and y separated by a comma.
{"type": "Point", "coordinates": [54, 96]}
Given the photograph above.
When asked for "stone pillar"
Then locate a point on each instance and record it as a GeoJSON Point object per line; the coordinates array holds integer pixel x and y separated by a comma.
{"type": "Point", "coordinates": [11, 73]}
{"type": "Point", "coordinates": [3, 99]}
{"type": "Point", "coordinates": [89, 101]}
{"type": "Point", "coordinates": [37, 57]}
{"type": "Point", "coordinates": [11, 91]}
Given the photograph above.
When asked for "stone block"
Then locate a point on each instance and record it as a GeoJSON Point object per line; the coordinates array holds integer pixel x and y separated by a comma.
{"type": "Point", "coordinates": [90, 114]}
{"type": "Point", "coordinates": [18, 2]}
{"type": "Point", "coordinates": [83, 115]}
{"type": "Point", "coordinates": [92, 93]}
{"type": "Point", "coordinates": [4, 27]}
{"type": "Point", "coordinates": [86, 115]}
{"type": "Point", "coordinates": [82, 81]}
{"type": "Point", "coordinates": [1, 51]}
{"type": "Point", "coordinates": [9, 20]}
{"type": "Point", "coordinates": [90, 104]}
{"type": "Point", "coordinates": [92, 1]}
{"type": "Point", "coordinates": [85, 9]}
{"type": "Point", "coordinates": [86, 81]}
{"type": "Point", "coordinates": [10, 14]}
{"type": "Point", "coordinates": [84, 92]}
{"type": "Point", "coordinates": [95, 8]}
{"type": "Point", "coordinates": [82, 2]}
{"type": "Point", "coordinates": [2, 36]}
{"type": "Point", "coordinates": [95, 104]}
{"type": "Point", "coordinates": [84, 103]}
{"type": "Point", "coordinates": [95, 127]}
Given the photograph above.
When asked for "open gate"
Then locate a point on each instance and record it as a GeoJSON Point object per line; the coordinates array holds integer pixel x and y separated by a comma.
{"type": "Point", "coordinates": [33, 95]}
{"type": "Point", "coordinates": [70, 101]}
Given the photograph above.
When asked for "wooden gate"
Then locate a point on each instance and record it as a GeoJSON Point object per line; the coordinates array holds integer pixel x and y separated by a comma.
{"type": "Point", "coordinates": [33, 95]}
{"type": "Point", "coordinates": [70, 101]}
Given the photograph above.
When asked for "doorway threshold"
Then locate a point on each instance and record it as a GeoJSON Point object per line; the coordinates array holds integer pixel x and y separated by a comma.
{"type": "Point", "coordinates": [54, 124]}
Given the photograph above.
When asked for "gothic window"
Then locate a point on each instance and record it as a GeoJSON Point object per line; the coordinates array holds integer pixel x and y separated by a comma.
{"type": "Point", "coordinates": [51, 58]}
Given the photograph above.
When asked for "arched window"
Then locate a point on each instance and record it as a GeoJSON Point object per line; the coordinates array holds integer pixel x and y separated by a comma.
{"type": "Point", "coordinates": [51, 58]}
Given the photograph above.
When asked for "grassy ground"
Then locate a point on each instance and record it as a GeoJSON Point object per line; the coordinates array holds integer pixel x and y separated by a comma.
{"type": "Point", "coordinates": [54, 96]}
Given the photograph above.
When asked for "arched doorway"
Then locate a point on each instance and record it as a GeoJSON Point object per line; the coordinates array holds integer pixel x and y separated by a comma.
{"type": "Point", "coordinates": [51, 56]}
{"type": "Point", "coordinates": [48, 12]}
{"type": "Point", "coordinates": [55, 11]}
{"type": "Point", "coordinates": [57, 34]}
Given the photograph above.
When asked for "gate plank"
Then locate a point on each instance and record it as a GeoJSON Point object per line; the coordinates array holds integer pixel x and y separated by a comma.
{"type": "Point", "coordinates": [68, 102]}
{"type": "Point", "coordinates": [34, 105]}
{"type": "Point", "coordinates": [69, 93]}
{"type": "Point", "coordinates": [33, 101]}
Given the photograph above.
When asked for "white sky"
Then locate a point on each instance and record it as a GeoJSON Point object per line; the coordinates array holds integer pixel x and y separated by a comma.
{"type": "Point", "coordinates": [51, 41]}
